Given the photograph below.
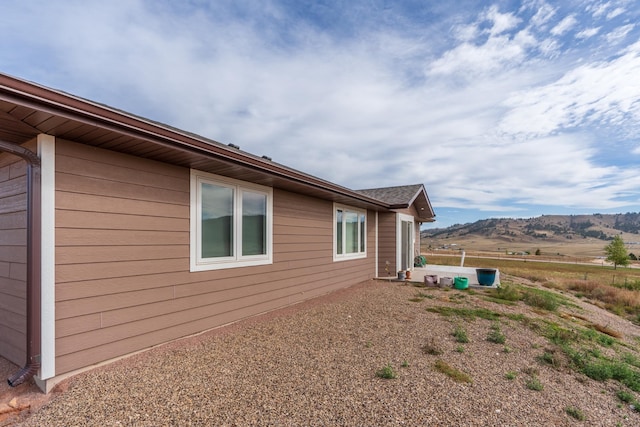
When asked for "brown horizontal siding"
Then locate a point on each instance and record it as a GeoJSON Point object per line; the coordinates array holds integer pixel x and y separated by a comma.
{"type": "Point", "coordinates": [92, 237]}
{"type": "Point", "coordinates": [110, 254]}
{"type": "Point", "coordinates": [13, 257]}
{"type": "Point", "coordinates": [76, 184]}
{"type": "Point", "coordinates": [110, 221]}
{"type": "Point", "coordinates": [122, 258]}
{"type": "Point", "coordinates": [387, 244]}
{"type": "Point", "coordinates": [12, 204]}
{"type": "Point", "coordinates": [71, 272]}
{"type": "Point", "coordinates": [13, 220]}
{"type": "Point", "coordinates": [105, 204]}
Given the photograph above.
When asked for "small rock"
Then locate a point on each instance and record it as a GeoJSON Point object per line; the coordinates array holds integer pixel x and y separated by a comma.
{"type": "Point", "coordinates": [14, 402]}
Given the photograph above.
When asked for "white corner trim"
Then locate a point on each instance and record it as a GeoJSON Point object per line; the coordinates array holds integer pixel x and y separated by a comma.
{"type": "Point", "coordinates": [47, 152]}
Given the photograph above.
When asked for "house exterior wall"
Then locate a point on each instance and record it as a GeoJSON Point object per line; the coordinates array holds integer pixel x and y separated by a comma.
{"type": "Point", "coordinates": [387, 244]}
{"type": "Point", "coordinates": [411, 210]}
{"type": "Point", "coordinates": [13, 257]}
{"type": "Point", "coordinates": [122, 258]}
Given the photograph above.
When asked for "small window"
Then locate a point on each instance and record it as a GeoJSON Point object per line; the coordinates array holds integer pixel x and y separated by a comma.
{"type": "Point", "coordinates": [231, 223]}
{"type": "Point", "coordinates": [350, 233]}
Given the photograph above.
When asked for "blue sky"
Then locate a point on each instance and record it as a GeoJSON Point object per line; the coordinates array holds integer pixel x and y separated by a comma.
{"type": "Point", "coordinates": [502, 109]}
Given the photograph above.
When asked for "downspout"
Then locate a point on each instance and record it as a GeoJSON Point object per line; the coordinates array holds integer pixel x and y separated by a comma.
{"type": "Point", "coordinates": [33, 263]}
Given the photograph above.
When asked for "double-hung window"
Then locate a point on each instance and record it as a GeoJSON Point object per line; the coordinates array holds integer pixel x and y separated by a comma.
{"type": "Point", "coordinates": [231, 223]}
{"type": "Point", "coordinates": [350, 233]}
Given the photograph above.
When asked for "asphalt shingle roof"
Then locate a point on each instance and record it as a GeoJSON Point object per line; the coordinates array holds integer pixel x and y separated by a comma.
{"type": "Point", "coordinates": [400, 195]}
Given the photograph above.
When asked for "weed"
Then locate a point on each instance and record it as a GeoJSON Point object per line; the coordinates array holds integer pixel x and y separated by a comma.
{"type": "Point", "coordinates": [531, 371]}
{"type": "Point", "coordinates": [516, 317]}
{"type": "Point", "coordinates": [602, 339]}
{"type": "Point", "coordinates": [507, 293]}
{"type": "Point", "coordinates": [369, 344]}
{"type": "Point", "coordinates": [510, 375]}
{"type": "Point", "coordinates": [405, 364]}
{"type": "Point", "coordinates": [460, 349]}
{"type": "Point", "coordinates": [416, 299]}
{"type": "Point", "coordinates": [507, 349]}
{"type": "Point", "coordinates": [453, 373]}
{"type": "Point", "coordinates": [575, 413]}
{"type": "Point", "coordinates": [466, 313]}
{"type": "Point", "coordinates": [432, 348]}
{"type": "Point", "coordinates": [495, 335]}
{"type": "Point", "coordinates": [541, 299]}
{"type": "Point", "coordinates": [549, 358]}
{"type": "Point", "coordinates": [625, 396]}
{"type": "Point", "coordinates": [631, 359]}
{"type": "Point", "coordinates": [460, 334]}
{"type": "Point", "coordinates": [386, 372]}
{"type": "Point", "coordinates": [498, 300]}
{"type": "Point", "coordinates": [604, 369]}
{"type": "Point", "coordinates": [534, 383]}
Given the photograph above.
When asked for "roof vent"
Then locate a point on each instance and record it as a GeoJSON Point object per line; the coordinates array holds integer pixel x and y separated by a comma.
{"type": "Point", "coordinates": [237, 147]}
{"type": "Point", "coordinates": [266, 157]}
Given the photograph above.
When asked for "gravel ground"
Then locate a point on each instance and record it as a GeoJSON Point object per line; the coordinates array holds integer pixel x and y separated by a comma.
{"type": "Point", "coordinates": [315, 364]}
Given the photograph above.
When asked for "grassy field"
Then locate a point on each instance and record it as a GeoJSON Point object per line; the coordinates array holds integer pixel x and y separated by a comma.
{"type": "Point", "coordinates": [617, 290]}
{"type": "Point", "coordinates": [580, 248]}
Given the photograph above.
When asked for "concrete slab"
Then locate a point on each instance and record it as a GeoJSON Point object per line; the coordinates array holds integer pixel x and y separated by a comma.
{"type": "Point", "coordinates": [417, 274]}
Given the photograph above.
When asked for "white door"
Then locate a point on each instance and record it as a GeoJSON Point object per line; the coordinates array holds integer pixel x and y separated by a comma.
{"type": "Point", "coordinates": [405, 242]}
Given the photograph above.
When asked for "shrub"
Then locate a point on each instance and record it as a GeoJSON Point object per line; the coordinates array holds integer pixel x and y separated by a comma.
{"type": "Point", "coordinates": [432, 348]}
{"type": "Point", "coordinates": [461, 334]}
{"type": "Point", "coordinates": [549, 358]}
{"type": "Point", "coordinates": [508, 293]}
{"type": "Point", "coordinates": [386, 372]}
{"type": "Point", "coordinates": [496, 336]}
{"type": "Point", "coordinates": [575, 413]}
{"type": "Point", "coordinates": [546, 300]}
{"type": "Point", "coordinates": [625, 396]}
{"type": "Point", "coordinates": [534, 383]}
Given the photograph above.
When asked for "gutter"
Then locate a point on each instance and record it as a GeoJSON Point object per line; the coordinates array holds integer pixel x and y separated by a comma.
{"type": "Point", "coordinates": [34, 272]}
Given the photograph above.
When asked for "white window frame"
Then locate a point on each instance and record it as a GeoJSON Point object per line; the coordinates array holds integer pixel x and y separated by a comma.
{"type": "Point", "coordinates": [345, 256]}
{"type": "Point", "coordinates": [197, 263]}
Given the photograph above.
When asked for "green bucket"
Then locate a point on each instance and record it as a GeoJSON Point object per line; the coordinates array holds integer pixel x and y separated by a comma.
{"type": "Point", "coordinates": [461, 283]}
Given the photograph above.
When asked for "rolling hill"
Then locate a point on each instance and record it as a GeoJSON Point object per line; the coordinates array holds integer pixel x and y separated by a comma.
{"type": "Point", "coordinates": [573, 235]}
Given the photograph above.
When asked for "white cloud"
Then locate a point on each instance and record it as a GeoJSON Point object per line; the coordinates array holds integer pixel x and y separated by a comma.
{"type": "Point", "coordinates": [618, 34]}
{"type": "Point", "coordinates": [587, 33]}
{"type": "Point", "coordinates": [565, 25]}
{"type": "Point", "coordinates": [606, 93]}
{"type": "Point", "coordinates": [598, 9]}
{"type": "Point", "coordinates": [501, 21]}
{"type": "Point", "coordinates": [482, 122]}
{"type": "Point", "coordinates": [543, 15]}
{"type": "Point", "coordinates": [616, 12]}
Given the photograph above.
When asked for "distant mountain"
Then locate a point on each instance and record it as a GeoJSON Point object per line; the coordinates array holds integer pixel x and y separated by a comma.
{"type": "Point", "coordinates": [544, 228]}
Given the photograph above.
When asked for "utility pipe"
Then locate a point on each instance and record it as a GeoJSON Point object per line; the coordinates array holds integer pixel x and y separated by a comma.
{"type": "Point", "coordinates": [34, 272]}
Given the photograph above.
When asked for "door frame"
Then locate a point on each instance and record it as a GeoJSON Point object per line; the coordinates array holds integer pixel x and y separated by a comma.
{"type": "Point", "coordinates": [400, 241]}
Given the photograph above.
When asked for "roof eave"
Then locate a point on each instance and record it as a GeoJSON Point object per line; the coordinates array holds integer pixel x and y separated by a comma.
{"type": "Point", "coordinates": [60, 103]}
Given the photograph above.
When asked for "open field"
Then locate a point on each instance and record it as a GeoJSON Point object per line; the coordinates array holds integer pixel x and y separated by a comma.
{"type": "Point", "coordinates": [580, 248]}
